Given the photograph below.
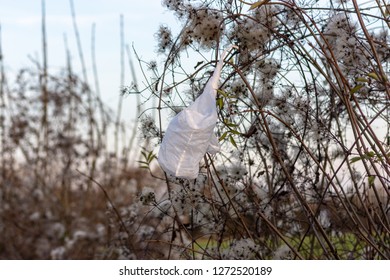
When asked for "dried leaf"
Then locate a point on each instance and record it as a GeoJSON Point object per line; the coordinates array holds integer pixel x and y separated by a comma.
{"type": "Point", "coordinates": [223, 136]}
{"type": "Point", "coordinates": [373, 75]}
{"type": "Point", "coordinates": [235, 132]}
{"type": "Point", "coordinates": [258, 4]}
{"type": "Point", "coordinates": [362, 80]}
{"type": "Point", "coordinates": [371, 180]}
{"type": "Point", "coordinates": [356, 88]}
{"type": "Point", "coordinates": [199, 63]}
{"type": "Point", "coordinates": [355, 159]}
{"type": "Point", "coordinates": [231, 125]}
{"type": "Point", "coordinates": [220, 103]}
{"type": "Point", "coordinates": [232, 141]}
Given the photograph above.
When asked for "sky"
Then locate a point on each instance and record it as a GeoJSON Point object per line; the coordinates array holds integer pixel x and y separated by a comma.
{"type": "Point", "coordinates": [21, 37]}
{"type": "Point", "coordinates": [20, 22]}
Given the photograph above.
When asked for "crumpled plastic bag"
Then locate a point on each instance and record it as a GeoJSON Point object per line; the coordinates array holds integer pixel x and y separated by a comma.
{"type": "Point", "coordinates": [190, 134]}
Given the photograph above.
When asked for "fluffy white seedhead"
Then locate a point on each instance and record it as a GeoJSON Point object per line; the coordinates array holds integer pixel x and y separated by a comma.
{"type": "Point", "coordinates": [164, 38]}
{"type": "Point", "coordinates": [205, 28]}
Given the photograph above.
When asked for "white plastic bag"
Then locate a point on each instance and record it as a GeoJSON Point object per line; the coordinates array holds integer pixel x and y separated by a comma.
{"type": "Point", "coordinates": [190, 134]}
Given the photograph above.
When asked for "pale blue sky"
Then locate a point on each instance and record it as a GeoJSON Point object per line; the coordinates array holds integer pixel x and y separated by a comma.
{"type": "Point", "coordinates": [21, 36]}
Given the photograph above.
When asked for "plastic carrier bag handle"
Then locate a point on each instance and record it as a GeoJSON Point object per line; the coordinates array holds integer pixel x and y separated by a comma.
{"type": "Point", "coordinates": [218, 68]}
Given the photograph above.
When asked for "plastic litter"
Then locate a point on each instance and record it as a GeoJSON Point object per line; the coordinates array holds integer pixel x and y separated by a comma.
{"type": "Point", "coordinates": [190, 134]}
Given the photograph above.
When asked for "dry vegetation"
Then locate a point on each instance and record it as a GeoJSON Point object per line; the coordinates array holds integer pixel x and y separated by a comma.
{"type": "Point", "coordinates": [49, 206]}
{"type": "Point", "coordinates": [286, 183]}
